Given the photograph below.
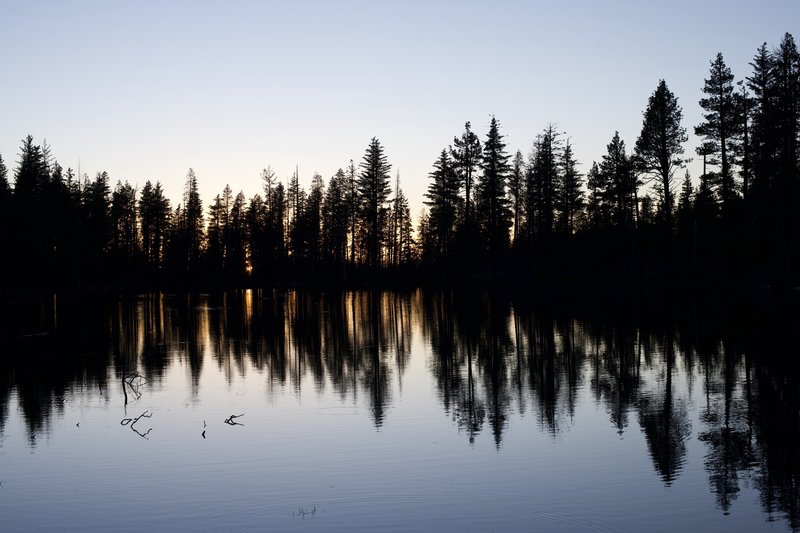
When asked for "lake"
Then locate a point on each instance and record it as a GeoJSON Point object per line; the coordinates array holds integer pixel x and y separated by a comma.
{"type": "Point", "coordinates": [396, 411]}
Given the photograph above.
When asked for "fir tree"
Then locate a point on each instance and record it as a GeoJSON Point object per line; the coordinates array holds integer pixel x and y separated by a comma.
{"type": "Point", "coordinates": [492, 202]}
{"type": "Point", "coordinates": [373, 191]}
{"type": "Point", "coordinates": [443, 201]}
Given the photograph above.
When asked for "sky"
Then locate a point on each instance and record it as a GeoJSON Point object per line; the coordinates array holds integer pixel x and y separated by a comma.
{"type": "Point", "coordinates": [146, 90]}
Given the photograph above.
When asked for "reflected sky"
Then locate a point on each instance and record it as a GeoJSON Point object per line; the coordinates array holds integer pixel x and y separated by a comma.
{"type": "Point", "coordinates": [423, 409]}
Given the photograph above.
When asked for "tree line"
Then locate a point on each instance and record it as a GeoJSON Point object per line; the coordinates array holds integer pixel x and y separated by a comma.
{"type": "Point", "coordinates": [489, 214]}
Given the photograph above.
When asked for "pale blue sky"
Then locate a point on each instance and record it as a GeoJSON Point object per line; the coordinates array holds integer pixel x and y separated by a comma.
{"type": "Point", "coordinates": [145, 90]}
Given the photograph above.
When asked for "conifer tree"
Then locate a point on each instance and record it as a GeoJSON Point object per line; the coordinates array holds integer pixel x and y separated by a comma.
{"type": "Point", "coordinates": [192, 224]}
{"type": "Point", "coordinates": [722, 126]}
{"type": "Point", "coordinates": [466, 155]}
{"type": "Point", "coordinates": [516, 192]}
{"type": "Point", "coordinates": [335, 219]}
{"type": "Point", "coordinates": [492, 202]}
{"type": "Point", "coordinates": [443, 200]}
{"type": "Point", "coordinates": [569, 193]}
{"type": "Point", "coordinates": [660, 146]}
{"type": "Point", "coordinates": [373, 191]}
{"type": "Point", "coordinates": [154, 212]}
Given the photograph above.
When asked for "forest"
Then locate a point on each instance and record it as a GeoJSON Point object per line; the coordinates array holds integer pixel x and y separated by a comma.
{"type": "Point", "coordinates": [491, 216]}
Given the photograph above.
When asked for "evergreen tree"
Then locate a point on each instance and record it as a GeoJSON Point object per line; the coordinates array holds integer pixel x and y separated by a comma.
{"type": "Point", "coordinates": [569, 194]}
{"type": "Point", "coordinates": [533, 192]}
{"type": "Point", "coordinates": [516, 192]}
{"type": "Point", "coordinates": [443, 200]}
{"type": "Point", "coordinates": [295, 205]}
{"type": "Point", "coordinates": [5, 222]}
{"type": "Point", "coordinates": [353, 208]}
{"type": "Point", "coordinates": [787, 162]}
{"type": "Point", "coordinates": [272, 248]}
{"type": "Point", "coordinates": [336, 219]}
{"type": "Point", "coordinates": [660, 145]}
{"type": "Point", "coordinates": [621, 184]}
{"type": "Point", "coordinates": [466, 154]}
{"type": "Point", "coordinates": [215, 236]}
{"type": "Point", "coordinates": [124, 224]}
{"type": "Point", "coordinates": [236, 239]}
{"type": "Point", "coordinates": [598, 205]}
{"type": "Point", "coordinates": [313, 221]}
{"type": "Point", "coordinates": [5, 188]}
{"type": "Point", "coordinates": [492, 202]}
{"type": "Point", "coordinates": [373, 191]}
{"type": "Point", "coordinates": [96, 225]}
{"type": "Point", "coordinates": [256, 223]}
{"type": "Point", "coordinates": [764, 142]}
{"type": "Point", "coordinates": [545, 183]}
{"type": "Point", "coordinates": [722, 127]}
{"type": "Point", "coordinates": [154, 212]}
{"type": "Point", "coordinates": [192, 224]}
{"type": "Point", "coordinates": [404, 229]}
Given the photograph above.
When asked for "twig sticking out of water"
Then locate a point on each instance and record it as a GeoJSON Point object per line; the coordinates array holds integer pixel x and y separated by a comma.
{"type": "Point", "coordinates": [231, 422]}
{"type": "Point", "coordinates": [132, 422]}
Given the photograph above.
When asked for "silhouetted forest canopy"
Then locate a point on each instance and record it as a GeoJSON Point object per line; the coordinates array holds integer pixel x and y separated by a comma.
{"type": "Point", "coordinates": [490, 215]}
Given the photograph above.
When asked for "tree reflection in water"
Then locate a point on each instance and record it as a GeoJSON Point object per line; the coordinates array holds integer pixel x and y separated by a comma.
{"type": "Point", "coordinates": [491, 357]}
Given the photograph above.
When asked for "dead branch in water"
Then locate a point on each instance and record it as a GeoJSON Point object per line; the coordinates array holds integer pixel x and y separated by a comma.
{"type": "Point", "coordinates": [231, 422]}
{"type": "Point", "coordinates": [132, 422]}
{"type": "Point", "coordinates": [134, 382]}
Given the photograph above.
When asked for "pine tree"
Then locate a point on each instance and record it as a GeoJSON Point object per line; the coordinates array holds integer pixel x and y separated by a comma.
{"type": "Point", "coordinates": [722, 128]}
{"type": "Point", "coordinates": [569, 194]}
{"type": "Point", "coordinates": [373, 191]}
{"type": "Point", "coordinates": [660, 145]}
{"type": "Point", "coordinates": [466, 154]}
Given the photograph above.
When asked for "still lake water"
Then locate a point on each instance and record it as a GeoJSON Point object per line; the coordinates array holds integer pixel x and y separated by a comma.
{"type": "Point", "coordinates": [386, 411]}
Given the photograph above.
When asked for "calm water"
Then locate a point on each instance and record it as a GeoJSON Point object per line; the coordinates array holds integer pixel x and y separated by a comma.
{"type": "Point", "coordinates": [394, 411]}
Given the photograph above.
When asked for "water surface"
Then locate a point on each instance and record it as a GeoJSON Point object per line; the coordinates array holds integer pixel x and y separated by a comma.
{"type": "Point", "coordinates": [393, 411]}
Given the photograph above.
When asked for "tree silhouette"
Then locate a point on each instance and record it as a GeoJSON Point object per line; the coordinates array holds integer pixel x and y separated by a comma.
{"type": "Point", "coordinates": [722, 127]}
{"type": "Point", "coordinates": [659, 147]}
{"type": "Point", "coordinates": [154, 213]}
{"type": "Point", "coordinates": [569, 195]}
{"type": "Point", "coordinates": [492, 202]}
{"type": "Point", "coordinates": [373, 192]}
{"type": "Point", "coordinates": [466, 154]}
{"type": "Point", "coordinates": [444, 203]}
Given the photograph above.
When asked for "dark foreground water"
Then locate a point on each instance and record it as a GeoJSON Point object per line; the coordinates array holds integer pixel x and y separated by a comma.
{"type": "Point", "coordinates": [395, 411]}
